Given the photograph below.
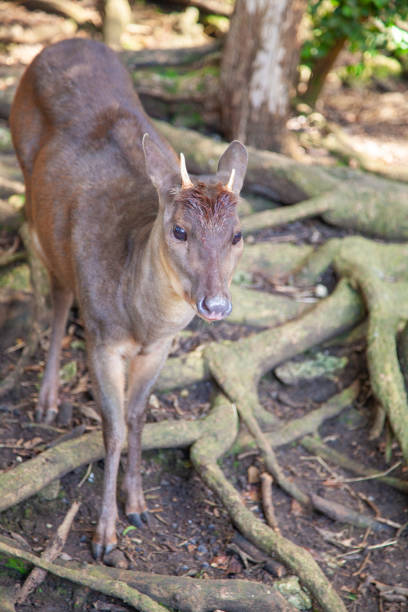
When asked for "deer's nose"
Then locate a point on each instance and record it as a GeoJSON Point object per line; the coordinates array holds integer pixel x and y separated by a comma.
{"type": "Point", "coordinates": [214, 308]}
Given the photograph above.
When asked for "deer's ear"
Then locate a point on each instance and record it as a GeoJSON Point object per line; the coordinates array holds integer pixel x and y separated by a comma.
{"type": "Point", "coordinates": [161, 168]}
{"type": "Point", "coordinates": [232, 166]}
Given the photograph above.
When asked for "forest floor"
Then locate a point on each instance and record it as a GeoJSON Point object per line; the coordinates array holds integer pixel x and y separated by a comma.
{"type": "Point", "coordinates": [191, 532]}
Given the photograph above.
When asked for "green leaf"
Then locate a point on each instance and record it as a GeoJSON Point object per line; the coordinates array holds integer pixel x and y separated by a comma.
{"type": "Point", "coordinates": [128, 529]}
{"type": "Point", "coordinates": [68, 371]}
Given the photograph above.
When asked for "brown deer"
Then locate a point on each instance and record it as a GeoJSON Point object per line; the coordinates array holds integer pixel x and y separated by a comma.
{"type": "Point", "coordinates": [123, 229]}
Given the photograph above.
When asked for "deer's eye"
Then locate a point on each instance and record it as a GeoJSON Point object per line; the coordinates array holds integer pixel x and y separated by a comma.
{"type": "Point", "coordinates": [236, 238]}
{"type": "Point", "coordinates": [179, 233]}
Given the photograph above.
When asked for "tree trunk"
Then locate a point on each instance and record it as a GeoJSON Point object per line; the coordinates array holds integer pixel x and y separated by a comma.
{"type": "Point", "coordinates": [258, 66]}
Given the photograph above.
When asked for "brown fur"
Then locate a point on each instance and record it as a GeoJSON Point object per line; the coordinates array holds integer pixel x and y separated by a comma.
{"type": "Point", "coordinates": [213, 203]}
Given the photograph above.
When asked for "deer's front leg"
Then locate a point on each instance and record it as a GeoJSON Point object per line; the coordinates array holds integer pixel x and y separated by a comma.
{"type": "Point", "coordinates": [143, 371]}
{"type": "Point", "coordinates": [108, 372]}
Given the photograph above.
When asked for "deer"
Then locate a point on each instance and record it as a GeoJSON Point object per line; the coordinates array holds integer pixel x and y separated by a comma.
{"type": "Point", "coordinates": [124, 231]}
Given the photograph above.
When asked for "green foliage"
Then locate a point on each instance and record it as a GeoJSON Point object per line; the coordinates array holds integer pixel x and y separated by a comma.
{"type": "Point", "coordinates": [367, 25]}
{"type": "Point", "coordinates": [68, 371]}
{"type": "Point", "coordinates": [18, 565]}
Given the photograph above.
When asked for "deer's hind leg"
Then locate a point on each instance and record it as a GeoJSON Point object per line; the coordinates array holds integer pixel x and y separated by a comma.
{"type": "Point", "coordinates": [47, 406]}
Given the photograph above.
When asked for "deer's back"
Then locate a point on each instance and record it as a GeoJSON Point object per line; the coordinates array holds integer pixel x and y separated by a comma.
{"type": "Point", "coordinates": [77, 127]}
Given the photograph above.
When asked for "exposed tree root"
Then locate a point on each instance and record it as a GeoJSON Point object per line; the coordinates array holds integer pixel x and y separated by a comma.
{"type": "Point", "coordinates": [261, 309]}
{"type": "Point", "coordinates": [153, 593]}
{"type": "Point", "coordinates": [204, 455]}
{"type": "Point", "coordinates": [238, 366]}
{"type": "Point", "coordinates": [269, 174]}
{"type": "Point", "coordinates": [109, 586]}
{"type": "Point", "coordinates": [274, 259]}
{"type": "Point", "coordinates": [28, 478]}
{"type": "Point", "coordinates": [343, 197]}
{"type": "Point", "coordinates": [381, 273]}
{"type": "Point", "coordinates": [183, 371]}
{"type": "Point", "coordinates": [310, 423]}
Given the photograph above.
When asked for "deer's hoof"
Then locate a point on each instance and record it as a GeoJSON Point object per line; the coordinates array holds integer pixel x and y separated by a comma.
{"type": "Point", "coordinates": [137, 519]}
{"type": "Point", "coordinates": [147, 518]}
{"type": "Point", "coordinates": [99, 550]}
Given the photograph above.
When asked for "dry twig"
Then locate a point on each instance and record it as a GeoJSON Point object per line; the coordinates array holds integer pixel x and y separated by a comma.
{"type": "Point", "coordinates": [55, 547]}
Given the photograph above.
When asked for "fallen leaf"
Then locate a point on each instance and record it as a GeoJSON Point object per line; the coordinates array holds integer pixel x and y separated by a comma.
{"type": "Point", "coordinates": [82, 385]}
{"type": "Point", "coordinates": [296, 508]}
{"type": "Point", "coordinates": [220, 561]}
{"type": "Point", "coordinates": [91, 413]}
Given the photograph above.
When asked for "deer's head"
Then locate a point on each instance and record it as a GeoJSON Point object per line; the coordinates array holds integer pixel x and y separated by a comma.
{"type": "Point", "coordinates": [201, 237]}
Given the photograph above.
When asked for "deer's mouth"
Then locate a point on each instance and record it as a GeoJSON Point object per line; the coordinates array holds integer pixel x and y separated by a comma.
{"type": "Point", "coordinates": [211, 316]}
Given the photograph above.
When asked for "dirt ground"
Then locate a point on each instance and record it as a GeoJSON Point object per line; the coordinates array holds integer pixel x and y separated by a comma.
{"type": "Point", "coordinates": [191, 533]}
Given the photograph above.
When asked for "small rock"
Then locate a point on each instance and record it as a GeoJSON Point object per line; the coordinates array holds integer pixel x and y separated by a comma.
{"type": "Point", "coordinates": [321, 291]}
{"type": "Point", "coordinates": [116, 558]}
{"type": "Point", "coordinates": [202, 549]}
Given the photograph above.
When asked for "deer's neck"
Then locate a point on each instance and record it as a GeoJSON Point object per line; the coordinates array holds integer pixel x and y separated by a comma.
{"type": "Point", "coordinates": [156, 304]}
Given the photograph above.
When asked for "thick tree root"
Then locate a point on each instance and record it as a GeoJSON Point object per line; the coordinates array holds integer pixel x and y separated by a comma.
{"type": "Point", "coordinates": [270, 174]}
{"type": "Point", "coordinates": [261, 309]}
{"type": "Point", "coordinates": [204, 455]}
{"type": "Point", "coordinates": [32, 476]}
{"type": "Point", "coordinates": [345, 198]}
{"type": "Point", "coordinates": [310, 423]}
{"type": "Point", "coordinates": [381, 273]}
{"type": "Point", "coordinates": [253, 356]}
{"type": "Point", "coordinates": [238, 366]}
{"type": "Point", "coordinates": [153, 593]}
{"type": "Point", "coordinates": [286, 214]}
{"type": "Point", "coordinates": [111, 587]}
{"type": "Point", "coordinates": [273, 259]}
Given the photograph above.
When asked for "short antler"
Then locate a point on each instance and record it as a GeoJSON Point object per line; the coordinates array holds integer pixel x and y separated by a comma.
{"type": "Point", "coordinates": [230, 183]}
{"type": "Point", "coordinates": [185, 179]}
